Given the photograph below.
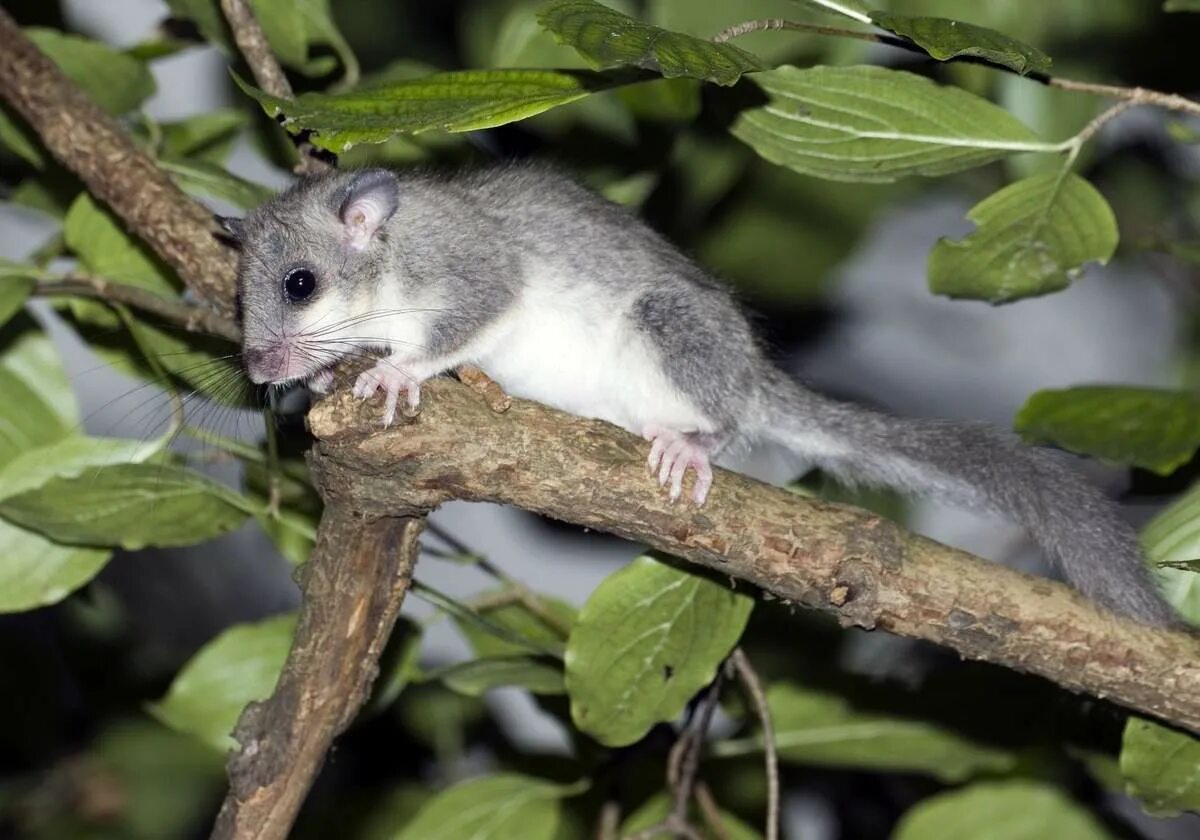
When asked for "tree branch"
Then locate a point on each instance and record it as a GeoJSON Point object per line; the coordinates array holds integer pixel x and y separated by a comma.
{"type": "Point", "coordinates": [92, 145]}
{"type": "Point", "coordinates": [252, 43]}
{"type": "Point", "coordinates": [192, 318]}
{"type": "Point", "coordinates": [354, 583]}
{"type": "Point", "coordinates": [864, 569]}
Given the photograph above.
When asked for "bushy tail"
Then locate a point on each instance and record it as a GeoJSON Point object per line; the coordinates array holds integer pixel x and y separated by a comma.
{"type": "Point", "coordinates": [975, 466]}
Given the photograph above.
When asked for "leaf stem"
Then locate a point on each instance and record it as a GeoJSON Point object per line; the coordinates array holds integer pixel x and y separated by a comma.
{"type": "Point", "coordinates": [1133, 95]}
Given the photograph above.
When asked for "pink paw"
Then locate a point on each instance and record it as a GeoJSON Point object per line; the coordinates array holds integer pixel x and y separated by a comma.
{"type": "Point", "coordinates": [671, 453]}
{"type": "Point", "coordinates": [391, 379]}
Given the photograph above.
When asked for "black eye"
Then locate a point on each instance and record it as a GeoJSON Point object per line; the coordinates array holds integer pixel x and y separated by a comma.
{"type": "Point", "coordinates": [299, 284]}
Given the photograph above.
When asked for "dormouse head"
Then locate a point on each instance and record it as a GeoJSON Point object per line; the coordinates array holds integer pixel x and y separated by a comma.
{"type": "Point", "coordinates": [311, 258]}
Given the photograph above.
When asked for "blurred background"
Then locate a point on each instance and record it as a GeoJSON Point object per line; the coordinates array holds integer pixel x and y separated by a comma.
{"type": "Point", "coordinates": [835, 274]}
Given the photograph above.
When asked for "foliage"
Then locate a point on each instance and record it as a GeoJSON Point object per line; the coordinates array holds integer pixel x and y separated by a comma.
{"type": "Point", "coordinates": [770, 158]}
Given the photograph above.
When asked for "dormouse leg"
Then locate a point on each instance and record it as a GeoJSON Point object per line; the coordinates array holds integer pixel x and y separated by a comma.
{"type": "Point", "coordinates": [394, 375]}
{"type": "Point", "coordinates": [672, 452]}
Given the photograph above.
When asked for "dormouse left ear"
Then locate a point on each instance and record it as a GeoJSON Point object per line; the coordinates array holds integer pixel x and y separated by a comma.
{"type": "Point", "coordinates": [232, 227]}
{"type": "Point", "coordinates": [370, 201]}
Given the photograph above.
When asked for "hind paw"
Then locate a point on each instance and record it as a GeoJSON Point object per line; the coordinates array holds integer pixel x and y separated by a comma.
{"type": "Point", "coordinates": [671, 453]}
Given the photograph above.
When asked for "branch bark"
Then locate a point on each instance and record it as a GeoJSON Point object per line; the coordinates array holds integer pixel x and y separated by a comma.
{"type": "Point", "coordinates": [92, 145]}
{"type": "Point", "coordinates": [252, 43]}
{"type": "Point", "coordinates": [864, 569]}
{"type": "Point", "coordinates": [354, 584]}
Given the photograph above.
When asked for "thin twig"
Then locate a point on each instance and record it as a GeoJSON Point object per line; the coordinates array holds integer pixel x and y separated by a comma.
{"type": "Point", "coordinates": [252, 43]}
{"type": "Point", "coordinates": [758, 698]}
{"type": "Point", "coordinates": [1137, 95]}
{"type": "Point", "coordinates": [192, 318]}
{"type": "Point", "coordinates": [609, 821]}
{"type": "Point", "coordinates": [707, 805]}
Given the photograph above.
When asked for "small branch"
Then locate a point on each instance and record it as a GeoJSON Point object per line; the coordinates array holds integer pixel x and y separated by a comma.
{"type": "Point", "coordinates": [758, 699]}
{"type": "Point", "coordinates": [866, 570]}
{"type": "Point", "coordinates": [252, 43]}
{"type": "Point", "coordinates": [707, 806]}
{"type": "Point", "coordinates": [192, 318]}
{"type": "Point", "coordinates": [92, 145]}
{"type": "Point", "coordinates": [353, 586]}
{"type": "Point", "coordinates": [485, 386]}
{"type": "Point", "coordinates": [1136, 95]}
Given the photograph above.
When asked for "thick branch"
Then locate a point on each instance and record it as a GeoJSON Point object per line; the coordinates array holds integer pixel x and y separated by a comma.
{"type": "Point", "coordinates": [354, 584]}
{"type": "Point", "coordinates": [866, 570]}
{"type": "Point", "coordinates": [92, 145]}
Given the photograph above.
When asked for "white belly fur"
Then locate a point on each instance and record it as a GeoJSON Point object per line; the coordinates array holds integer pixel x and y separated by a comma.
{"type": "Point", "coordinates": [575, 347]}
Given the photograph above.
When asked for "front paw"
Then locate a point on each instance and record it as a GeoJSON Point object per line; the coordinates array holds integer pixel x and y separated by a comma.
{"type": "Point", "coordinates": [392, 379]}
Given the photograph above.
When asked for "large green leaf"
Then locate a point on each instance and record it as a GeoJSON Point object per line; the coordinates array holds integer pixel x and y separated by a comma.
{"type": "Point", "coordinates": [853, 9]}
{"type": "Point", "coordinates": [35, 572]}
{"type": "Point", "coordinates": [113, 80]}
{"type": "Point", "coordinates": [70, 457]}
{"type": "Point", "coordinates": [478, 676]}
{"type": "Point", "coordinates": [1153, 428]}
{"type": "Point", "coordinates": [497, 807]}
{"type": "Point", "coordinates": [16, 283]}
{"type": "Point", "coordinates": [209, 136]}
{"type": "Point", "coordinates": [129, 505]}
{"type": "Point", "coordinates": [238, 666]}
{"type": "Point", "coordinates": [649, 637]}
{"type": "Point", "coordinates": [816, 728]}
{"type": "Point", "coordinates": [1161, 767]}
{"type": "Point", "coordinates": [27, 353]}
{"type": "Point", "coordinates": [211, 180]}
{"type": "Point", "coordinates": [945, 39]}
{"type": "Point", "coordinates": [874, 124]}
{"type": "Point", "coordinates": [608, 38]}
{"type": "Point", "coordinates": [1173, 536]}
{"type": "Point", "coordinates": [1033, 238]}
{"type": "Point", "coordinates": [464, 100]}
{"type": "Point", "coordinates": [106, 250]}
{"type": "Point", "coordinates": [1017, 810]}
{"type": "Point", "coordinates": [26, 420]}
{"type": "Point", "coordinates": [1181, 6]}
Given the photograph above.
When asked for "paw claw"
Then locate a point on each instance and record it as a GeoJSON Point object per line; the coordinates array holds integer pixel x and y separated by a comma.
{"type": "Point", "coordinates": [392, 379]}
{"type": "Point", "coordinates": [671, 453]}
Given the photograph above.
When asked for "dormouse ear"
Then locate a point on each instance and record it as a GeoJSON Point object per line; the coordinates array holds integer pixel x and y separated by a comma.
{"type": "Point", "coordinates": [232, 225]}
{"type": "Point", "coordinates": [370, 201]}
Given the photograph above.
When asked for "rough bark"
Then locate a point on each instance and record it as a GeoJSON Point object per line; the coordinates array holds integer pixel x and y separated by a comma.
{"type": "Point", "coordinates": [866, 570]}
{"type": "Point", "coordinates": [354, 584]}
{"type": "Point", "coordinates": [92, 145]}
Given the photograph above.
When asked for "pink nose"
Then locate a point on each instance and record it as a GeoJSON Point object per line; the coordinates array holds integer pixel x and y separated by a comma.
{"type": "Point", "coordinates": [262, 363]}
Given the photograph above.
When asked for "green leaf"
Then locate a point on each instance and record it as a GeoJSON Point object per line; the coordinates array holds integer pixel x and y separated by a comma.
{"type": "Point", "coordinates": [496, 807]}
{"type": "Point", "coordinates": [1181, 6]}
{"type": "Point", "coordinates": [873, 124]}
{"type": "Point", "coordinates": [35, 572]}
{"type": "Point", "coordinates": [478, 676]}
{"type": "Point", "coordinates": [945, 39]}
{"type": "Point", "coordinates": [208, 136]}
{"type": "Point", "coordinates": [459, 101]}
{"type": "Point", "coordinates": [106, 250]}
{"type": "Point", "coordinates": [16, 283]}
{"type": "Point", "coordinates": [239, 666]}
{"type": "Point", "coordinates": [822, 729]}
{"type": "Point", "coordinates": [19, 139]}
{"type": "Point", "coordinates": [658, 807]}
{"type": "Point", "coordinates": [466, 615]}
{"type": "Point", "coordinates": [202, 178]}
{"type": "Point", "coordinates": [1172, 539]}
{"type": "Point", "coordinates": [1016, 810]}
{"type": "Point", "coordinates": [1033, 238]}
{"type": "Point", "coordinates": [71, 457]}
{"type": "Point", "coordinates": [608, 39]}
{"type": "Point", "coordinates": [853, 9]}
{"type": "Point", "coordinates": [129, 505]}
{"type": "Point", "coordinates": [27, 353]}
{"type": "Point", "coordinates": [547, 631]}
{"type": "Point", "coordinates": [1154, 428]}
{"type": "Point", "coordinates": [113, 80]}
{"type": "Point", "coordinates": [1161, 767]}
{"type": "Point", "coordinates": [649, 637]}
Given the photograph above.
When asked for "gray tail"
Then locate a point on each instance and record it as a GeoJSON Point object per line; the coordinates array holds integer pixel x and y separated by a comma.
{"type": "Point", "coordinates": [975, 466]}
